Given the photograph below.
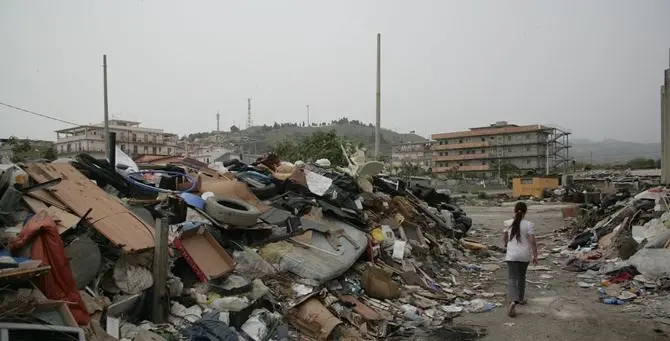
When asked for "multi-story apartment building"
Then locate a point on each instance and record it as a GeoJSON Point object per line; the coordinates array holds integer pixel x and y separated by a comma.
{"type": "Point", "coordinates": [130, 137]}
{"type": "Point", "coordinates": [413, 153]}
{"type": "Point", "coordinates": [484, 151]}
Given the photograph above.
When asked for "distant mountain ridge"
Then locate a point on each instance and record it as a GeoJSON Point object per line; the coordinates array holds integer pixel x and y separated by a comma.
{"type": "Point", "coordinates": [612, 151]}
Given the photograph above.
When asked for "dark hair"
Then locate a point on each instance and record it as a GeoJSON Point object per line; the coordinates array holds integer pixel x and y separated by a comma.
{"type": "Point", "coordinates": [519, 212]}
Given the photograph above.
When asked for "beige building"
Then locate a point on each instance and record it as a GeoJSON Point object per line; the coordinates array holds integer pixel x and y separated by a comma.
{"type": "Point", "coordinates": [130, 137]}
{"type": "Point", "coordinates": [485, 151]}
{"type": "Point", "coordinates": [413, 153]}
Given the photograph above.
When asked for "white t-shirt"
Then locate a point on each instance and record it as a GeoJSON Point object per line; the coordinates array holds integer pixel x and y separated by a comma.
{"type": "Point", "coordinates": [519, 251]}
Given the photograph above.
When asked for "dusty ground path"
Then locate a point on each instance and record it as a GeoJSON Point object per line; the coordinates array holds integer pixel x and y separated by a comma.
{"type": "Point", "coordinates": [558, 309]}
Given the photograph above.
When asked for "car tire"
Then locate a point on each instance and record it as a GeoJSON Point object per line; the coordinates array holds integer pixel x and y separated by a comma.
{"type": "Point", "coordinates": [231, 211]}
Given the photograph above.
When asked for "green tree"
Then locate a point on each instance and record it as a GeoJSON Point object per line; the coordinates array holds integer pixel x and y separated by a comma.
{"type": "Point", "coordinates": [50, 154]}
{"type": "Point", "coordinates": [319, 145]}
{"type": "Point", "coordinates": [641, 163]}
{"type": "Point", "coordinates": [234, 129]}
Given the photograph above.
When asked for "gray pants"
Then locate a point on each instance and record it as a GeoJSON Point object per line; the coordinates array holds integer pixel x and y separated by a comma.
{"type": "Point", "coordinates": [516, 281]}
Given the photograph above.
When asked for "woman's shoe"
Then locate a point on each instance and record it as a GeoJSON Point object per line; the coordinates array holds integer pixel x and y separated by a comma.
{"type": "Point", "coordinates": [511, 309]}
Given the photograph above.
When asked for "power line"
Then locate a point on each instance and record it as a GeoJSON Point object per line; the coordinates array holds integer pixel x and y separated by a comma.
{"type": "Point", "coordinates": [37, 114]}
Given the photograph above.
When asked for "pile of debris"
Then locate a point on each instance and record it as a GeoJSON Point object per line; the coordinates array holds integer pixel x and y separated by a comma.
{"type": "Point", "coordinates": [622, 246]}
{"type": "Point", "coordinates": [265, 251]}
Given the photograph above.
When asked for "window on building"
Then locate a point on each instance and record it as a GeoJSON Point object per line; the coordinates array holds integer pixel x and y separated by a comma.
{"type": "Point", "coordinates": [61, 148]}
{"type": "Point", "coordinates": [169, 151]}
{"type": "Point", "coordinates": [460, 163]}
{"type": "Point", "coordinates": [483, 151]}
{"type": "Point", "coordinates": [135, 149]}
{"type": "Point", "coordinates": [527, 136]}
{"type": "Point", "coordinates": [460, 152]}
{"type": "Point", "coordinates": [460, 141]}
{"type": "Point", "coordinates": [153, 150]}
{"type": "Point", "coordinates": [509, 138]}
{"type": "Point", "coordinates": [160, 149]}
{"type": "Point", "coordinates": [441, 154]}
{"type": "Point", "coordinates": [155, 138]}
{"type": "Point", "coordinates": [79, 146]}
{"type": "Point", "coordinates": [146, 149]}
{"type": "Point", "coordinates": [483, 139]}
{"type": "Point", "coordinates": [146, 138]}
{"type": "Point", "coordinates": [509, 150]}
{"type": "Point", "coordinates": [123, 147]}
{"type": "Point", "coordinates": [528, 162]}
{"type": "Point", "coordinates": [492, 137]}
{"type": "Point", "coordinates": [69, 147]}
{"type": "Point", "coordinates": [483, 163]}
{"type": "Point", "coordinates": [134, 137]}
{"type": "Point", "coordinates": [528, 148]}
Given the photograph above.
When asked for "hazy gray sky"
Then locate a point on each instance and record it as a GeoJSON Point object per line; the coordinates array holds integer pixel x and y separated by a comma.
{"type": "Point", "coordinates": [594, 67]}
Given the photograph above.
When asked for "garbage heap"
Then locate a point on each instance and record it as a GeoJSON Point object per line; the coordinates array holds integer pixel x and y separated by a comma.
{"type": "Point", "coordinates": [267, 251]}
{"type": "Point", "coordinates": [621, 246]}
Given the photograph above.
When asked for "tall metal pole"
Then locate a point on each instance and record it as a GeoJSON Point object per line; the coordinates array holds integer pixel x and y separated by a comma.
{"type": "Point", "coordinates": [104, 80]}
{"type": "Point", "coordinates": [379, 93]}
{"type": "Point", "coordinates": [307, 114]}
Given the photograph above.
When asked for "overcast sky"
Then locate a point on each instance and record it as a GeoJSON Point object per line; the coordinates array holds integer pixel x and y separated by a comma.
{"type": "Point", "coordinates": [594, 67]}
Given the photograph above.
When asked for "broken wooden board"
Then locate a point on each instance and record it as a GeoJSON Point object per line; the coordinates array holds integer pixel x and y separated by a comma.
{"type": "Point", "coordinates": [64, 220]}
{"type": "Point", "coordinates": [34, 204]}
{"type": "Point", "coordinates": [108, 216]}
{"type": "Point", "coordinates": [47, 198]}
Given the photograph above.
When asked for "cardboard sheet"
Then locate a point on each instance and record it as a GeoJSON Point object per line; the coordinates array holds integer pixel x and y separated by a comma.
{"type": "Point", "coordinates": [108, 216]}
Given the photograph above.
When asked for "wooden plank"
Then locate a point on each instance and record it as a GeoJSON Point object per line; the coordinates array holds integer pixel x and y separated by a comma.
{"type": "Point", "coordinates": [34, 204]}
{"type": "Point", "coordinates": [47, 198]}
{"type": "Point", "coordinates": [64, 220]}
{"type": "Point", "coordinates": [108, 216]}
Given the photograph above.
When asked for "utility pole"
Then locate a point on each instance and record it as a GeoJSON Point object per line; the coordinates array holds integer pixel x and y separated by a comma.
{"type": "Point", "coordinates": [379, 94]}
{"type": "Point", "coordinates": [104, 81]}
{"type": "Point", "coordinates": [249, 123]}
{"type": "Point", "coordinates": [307, 114]}
{"type": "Point", "coordinates": [217, 126]}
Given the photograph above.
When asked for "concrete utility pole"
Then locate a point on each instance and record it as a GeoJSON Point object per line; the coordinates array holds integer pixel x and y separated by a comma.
{"type": "Point", "coordinates": [665, 137]}
{"type": "Point", "coordinates": [379, 93]}
{"type": "Point", "coordinates": [104, 81]}
{"type": "Point", "coordinates": [217, 126]}
{"type": "Point", "coordinates": [307, 114]}
{"type": "Point", "coordinates": [249, 123]}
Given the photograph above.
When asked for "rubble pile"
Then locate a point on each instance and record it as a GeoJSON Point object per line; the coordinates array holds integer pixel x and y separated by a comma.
{"type": "Point", "coordinates": [620, 247]}
{"type": "Point", "coordinates": [265, 251]}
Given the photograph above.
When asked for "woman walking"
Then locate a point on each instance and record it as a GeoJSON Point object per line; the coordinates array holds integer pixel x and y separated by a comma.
{"type": "Point", "coordinates": [521, 250]}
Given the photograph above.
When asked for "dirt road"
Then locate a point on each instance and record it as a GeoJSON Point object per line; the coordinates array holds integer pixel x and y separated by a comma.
{"type": "Point", "coordinates": [558, 309]}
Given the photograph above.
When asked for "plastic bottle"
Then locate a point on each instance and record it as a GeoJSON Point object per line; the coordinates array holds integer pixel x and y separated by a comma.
{"type": "Point", "coordinates": [613, 301]}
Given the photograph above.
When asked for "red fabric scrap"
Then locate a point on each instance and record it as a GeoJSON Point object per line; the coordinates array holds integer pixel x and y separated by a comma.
{"type": "Point", "coordinates": [622, 278]}
{"type": "Point", "coordinates": [47, 247]}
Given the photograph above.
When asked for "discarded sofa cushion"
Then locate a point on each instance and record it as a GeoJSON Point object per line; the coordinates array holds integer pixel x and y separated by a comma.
{"type": "Point", "coordinates": [47, 246]}
{"type": "Point", "coordinates": [316, 267]}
